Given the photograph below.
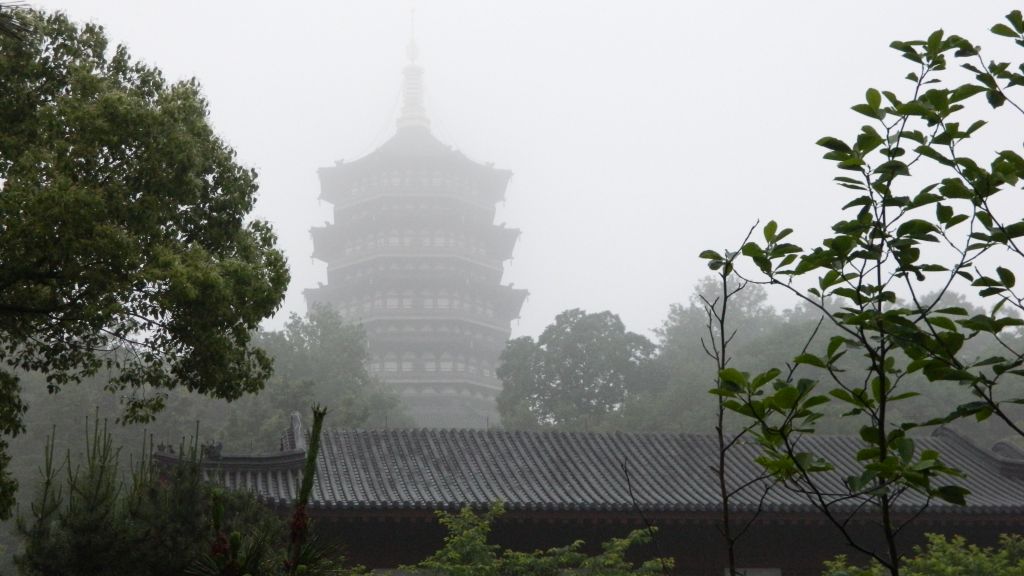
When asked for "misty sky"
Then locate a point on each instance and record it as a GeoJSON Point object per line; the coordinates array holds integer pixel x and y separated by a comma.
{"type": "Point", "coordinates": [639, 132]}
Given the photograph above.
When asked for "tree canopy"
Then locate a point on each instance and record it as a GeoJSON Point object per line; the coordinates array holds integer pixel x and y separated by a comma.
{"type": "Point", "coordinates": [578, 374]}
{"type": "Point", "coordinates": [125, 243]}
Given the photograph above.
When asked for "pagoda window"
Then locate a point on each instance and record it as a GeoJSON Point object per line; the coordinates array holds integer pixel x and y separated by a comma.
{"type": "Point", "coordinates": [378, 302]}
{"type": "Point", "coordinates": [390, 363]}
{"type": "Point", "coordinates": [429, 363]}
{"type": "Point", "coordinates": [407, 360]}
{"type": "Point", "coordinates": [446, 363]}
{"type": "Point", "coordinates": [443, 303]}
{"type": "Point", "coordinates": [394, 240]}
{"type": "Point", "coordinates": [428, 302]}
{"type": "Point", "coordinates": [407, 302]}
{"type": "Point", "coordinates": [460, 366]}
{"type": "Point", "coordinates": [392, 302]}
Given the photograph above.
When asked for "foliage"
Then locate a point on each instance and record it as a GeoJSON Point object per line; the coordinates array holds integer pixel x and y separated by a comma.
{"type": "Point", "coordinates": [125, 246]}
{"type": "Point", "coordinates": [760, 336]}
{"type": "Point", "coordinates": [900, 238]}
{"type": "Point", "coordinates": [948, 557]}
{"type": "Point", "coordinates": [466, 552]}
{"type": "Point", "coordinates": [577, 375]}
{"type": "Point", "coordinates": [318, 359]}
{"type": "Point", "coordinates": [88, 518]}
{"type": "Point", "coordinates": [321, 359]}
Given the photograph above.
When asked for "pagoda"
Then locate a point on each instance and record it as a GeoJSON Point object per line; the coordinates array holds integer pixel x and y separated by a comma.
{"type": "Point", "coordinates": [414, 256]}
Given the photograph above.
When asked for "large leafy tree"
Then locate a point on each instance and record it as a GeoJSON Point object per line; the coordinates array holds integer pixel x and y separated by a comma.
{"type": "Point", "coordinates": [124, 240]}
{"type": "Point", "coordinates": [580, 373]}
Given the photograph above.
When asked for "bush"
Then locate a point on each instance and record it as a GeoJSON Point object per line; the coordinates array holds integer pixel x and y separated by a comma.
{"type": "Point", "coordinates": [948, 557]}
{"type": "Point", "coordinates": [466, 552]}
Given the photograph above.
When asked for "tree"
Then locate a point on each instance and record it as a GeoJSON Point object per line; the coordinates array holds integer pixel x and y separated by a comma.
{"type": "Point", "coordinates": [125, 244]}
{"type": "Point", "coordinates": [579, 374]}
{"type": "Point", "coordinates": [760, 335]}
{"type": "Point", "coordinates": [902, 235]}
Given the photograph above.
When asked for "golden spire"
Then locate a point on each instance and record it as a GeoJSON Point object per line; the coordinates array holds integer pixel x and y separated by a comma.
{"type": "Point", "coordinates": [414, 113]}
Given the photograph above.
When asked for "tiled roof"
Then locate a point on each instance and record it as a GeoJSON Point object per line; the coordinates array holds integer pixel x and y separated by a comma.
{"type": "Point", "coordinates": [388, 470]}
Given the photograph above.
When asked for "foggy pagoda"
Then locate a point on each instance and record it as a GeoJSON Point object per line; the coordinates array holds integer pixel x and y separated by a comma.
{"type": "Point", "coordinates": [414, 256]}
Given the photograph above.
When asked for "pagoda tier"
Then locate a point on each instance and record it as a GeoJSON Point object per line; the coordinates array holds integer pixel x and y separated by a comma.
{"type": "Point", "coordinates": [394, 206]}
{"type": "Point", "coordinates": [423, 336]}
{"type": "Point", "coordinates": [372, 283]}
{"type": "Point", "coordinates": [392, 273]}
{"type": "Point", "coordinates": [425, 306]}
{"type": "Point", "coordinates": [428, 169]}
{"type": "Point", "coordinates": [414, 236]}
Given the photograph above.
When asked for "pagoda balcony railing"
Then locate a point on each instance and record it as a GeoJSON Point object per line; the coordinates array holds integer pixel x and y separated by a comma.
{"type": "Point", "coordinates": [439, 380]}
{"type": "Point", "coordinates": [357, 257]}
{"type": "Point", "coordinates": [482, 339]}
{"type": "Point", "coordinates": [497, 321]}
{"type": "Point", "coordinates": [358, 196]}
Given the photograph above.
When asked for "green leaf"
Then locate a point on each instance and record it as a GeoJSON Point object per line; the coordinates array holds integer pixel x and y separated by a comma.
{"type": "Point", "coordinates": [833, 345]}
{"type": "Point", "coordinates": [1006, 277]}
{"type": "Point", "coordinates": [874, 98]}
{"type": "Point", "coordinates": [810, 359]}
{"type": "Point", "coordinates": [833, 144]}
{"type": "Point", "coordinates": [995, 98]}
{"type": "Point", "coordinates": [1004, 30]}
{"type": "Point", "coordinates": [733, 376]}
{"type": "Point", "coordinates": [953, 494]}
{"type": "Point", "coordinates": [769, 230]}
{"type": "Point", "coordinates": [964, 92]}
{"type": "Point", "coordinates": [893, 168]}
{"type": "Point", "coordinates": [1017, 20]}
{"type": "Point", "coordinates": [916, 228]}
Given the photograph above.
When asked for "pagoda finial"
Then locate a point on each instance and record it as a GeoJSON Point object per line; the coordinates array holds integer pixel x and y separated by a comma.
{"type": "Point", "coordinates": [414, 113]}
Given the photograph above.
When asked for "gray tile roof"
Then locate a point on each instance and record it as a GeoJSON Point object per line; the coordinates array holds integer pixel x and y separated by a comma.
{"type": "Point", "coordinates": [390, 470]}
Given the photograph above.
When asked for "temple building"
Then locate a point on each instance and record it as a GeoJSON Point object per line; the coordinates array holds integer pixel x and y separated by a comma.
{"type": "Point", "coordinates": [414, 255]}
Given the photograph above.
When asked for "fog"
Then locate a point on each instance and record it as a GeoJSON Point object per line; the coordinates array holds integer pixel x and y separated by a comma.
{"type": "Point", "coordinates": [639, 133]}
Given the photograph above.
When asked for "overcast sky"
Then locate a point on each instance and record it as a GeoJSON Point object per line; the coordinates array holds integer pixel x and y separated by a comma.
{"type": "Point", "coordinates": [639, 132]}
